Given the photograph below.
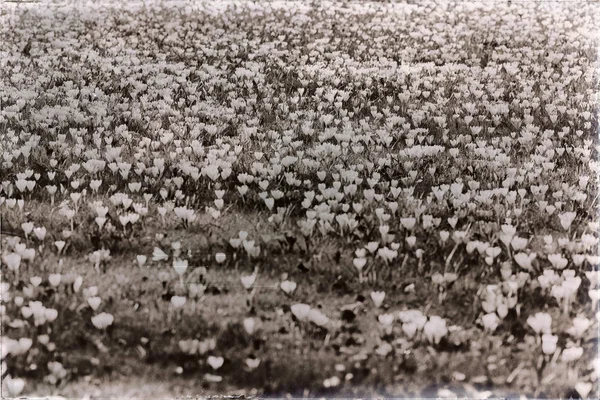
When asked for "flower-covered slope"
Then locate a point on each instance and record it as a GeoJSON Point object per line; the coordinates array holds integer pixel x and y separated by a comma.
{"type": "Point", "coordinates": [339, 198]}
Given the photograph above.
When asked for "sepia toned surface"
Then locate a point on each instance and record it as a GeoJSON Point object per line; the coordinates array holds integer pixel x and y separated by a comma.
{"type": "Point", "coordinates": [299, 198]}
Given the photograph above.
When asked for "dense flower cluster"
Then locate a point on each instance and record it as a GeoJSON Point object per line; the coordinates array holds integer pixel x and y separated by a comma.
{"type": "Point", "coordinates": [438, 157]}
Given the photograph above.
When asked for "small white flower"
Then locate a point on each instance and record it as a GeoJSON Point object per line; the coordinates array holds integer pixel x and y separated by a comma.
{"type": "Point", "coordinates": [377, 298]}
{"type": "Point", "coordinates": [435, 329]}
{"type": "Point", "coordinates": [215, 362]}
{"type": "Point", "coordinates": [102, 320]}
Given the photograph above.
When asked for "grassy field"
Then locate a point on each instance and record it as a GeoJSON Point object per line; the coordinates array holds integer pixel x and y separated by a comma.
{"type": "Point", "coordinates": [301, 199]}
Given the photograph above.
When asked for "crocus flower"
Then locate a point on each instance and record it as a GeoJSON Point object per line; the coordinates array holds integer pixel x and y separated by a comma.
{"type": "Point", "coordinates": [377, 298]}
{"type": "Point", "coordinates": [549, 343]}
{"type": "Point", "coordinates": [435, 329]}
{"type": "Point", "coordinates": [215, 362]}
{"type": "Point", "coordinates": [102, 320]}
{"type": "Point", "coordinates": [540, 323]}
{"type": "Point", "coordinates": [571, 354]}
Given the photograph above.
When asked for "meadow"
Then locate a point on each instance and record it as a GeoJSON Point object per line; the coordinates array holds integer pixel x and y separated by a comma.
{"type": "Point", "coordinates": [296, 198]}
